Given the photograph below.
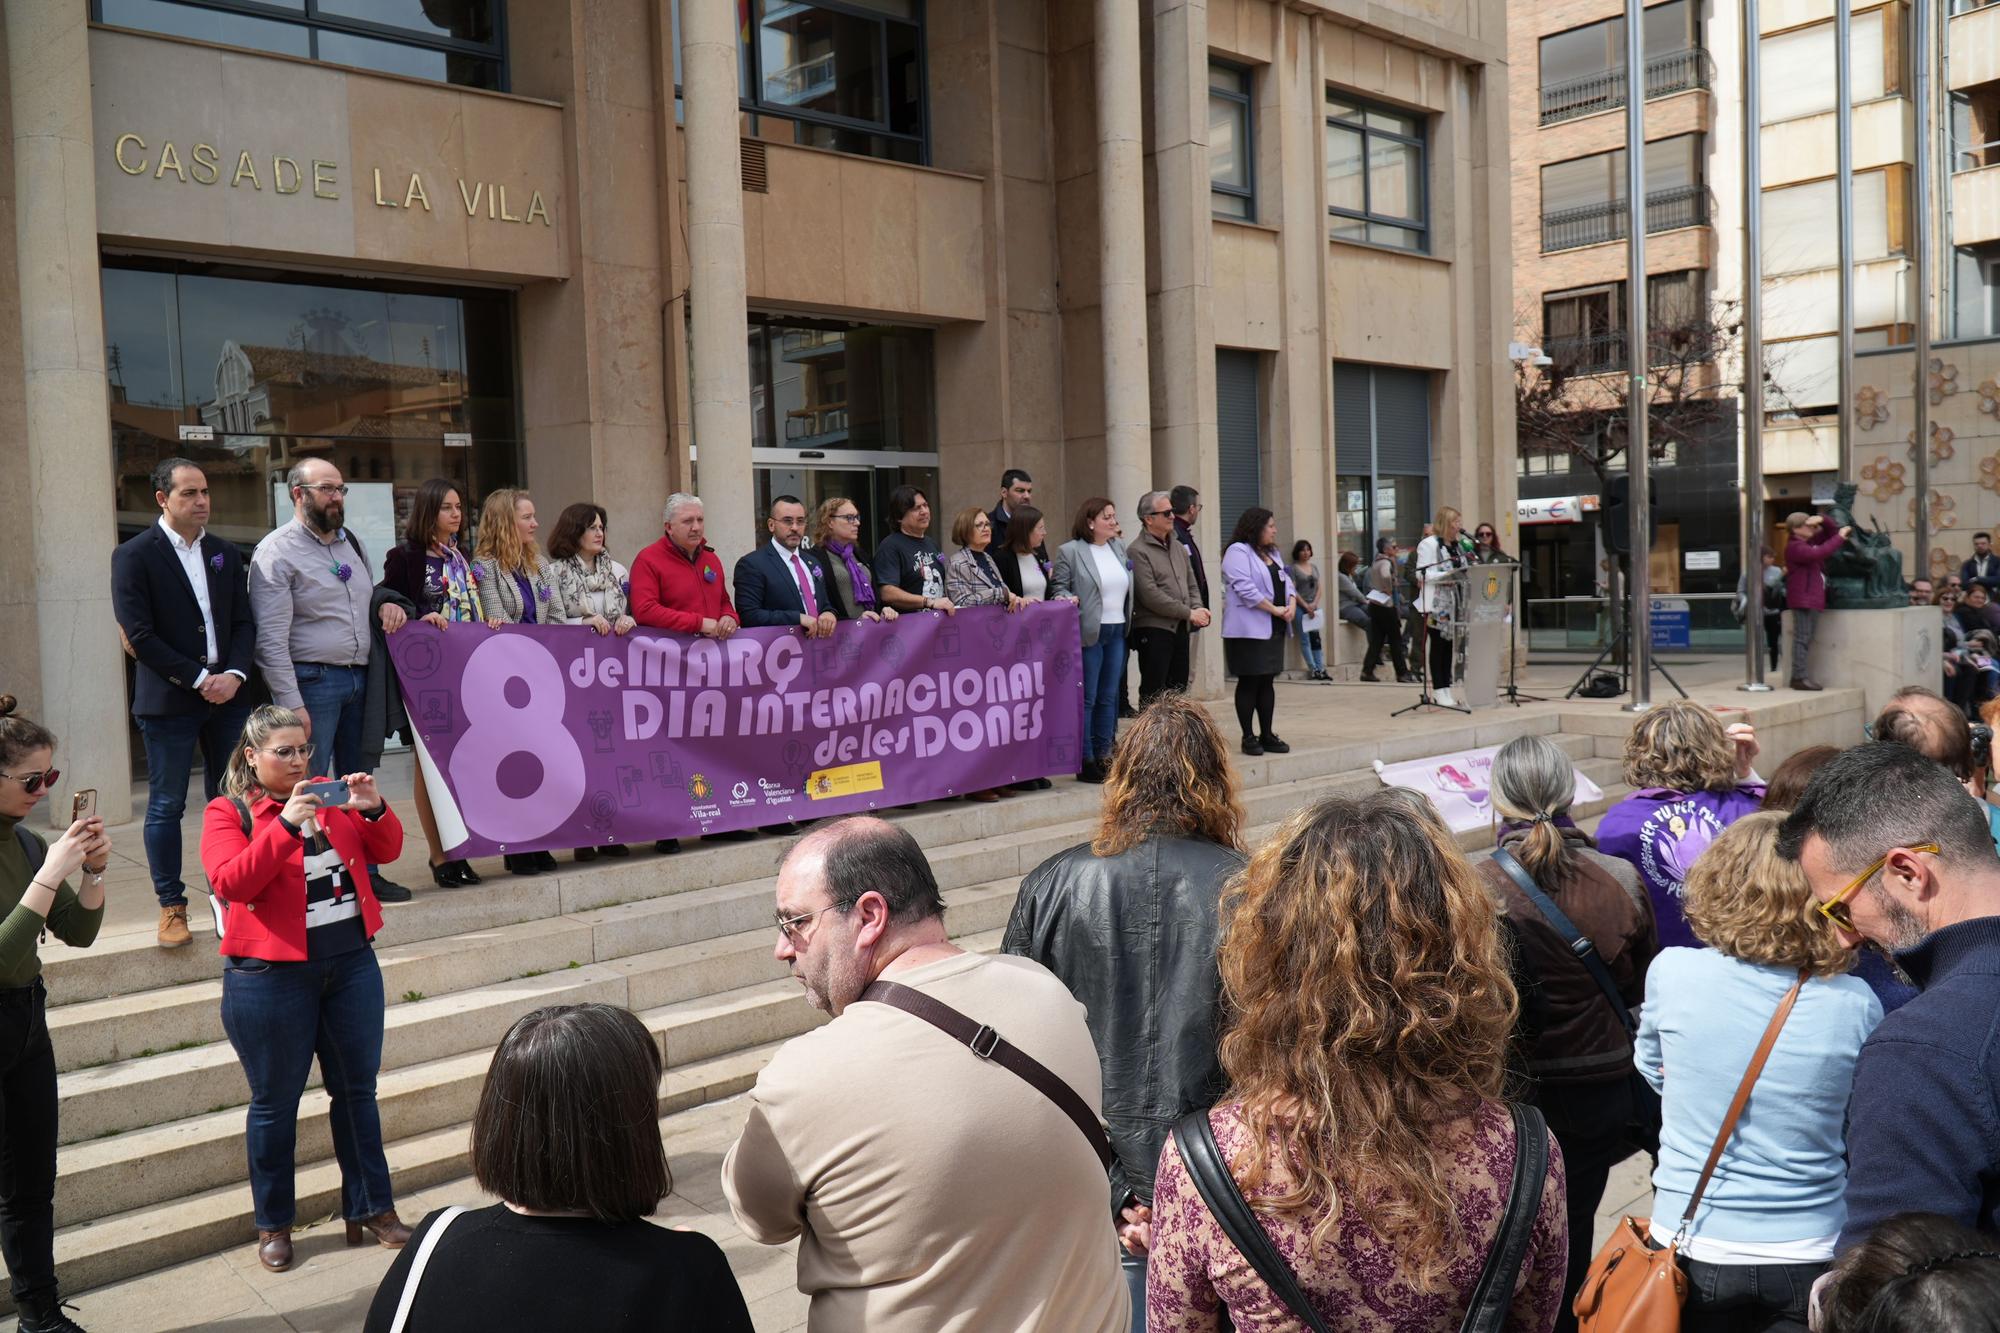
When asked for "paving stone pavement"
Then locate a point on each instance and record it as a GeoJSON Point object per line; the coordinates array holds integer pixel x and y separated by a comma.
{"type": "Point", "coordinates": [331, 1286]}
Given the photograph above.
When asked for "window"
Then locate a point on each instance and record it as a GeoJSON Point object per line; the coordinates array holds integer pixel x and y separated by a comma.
{"type": "Point", "coordinates": [1238, 434]}
{"type": "Point", "coordinates": [1975, 291]}
{"type": "Point", "coordinates": [1583, 331]}
{"type": "Point", "coordinates": [1232, 143]}
{"type": "Point", "coordinates": [1583, 199]}
{"type": "Point", "coordinates": [1583, 70]}
{"type": "Point", "coordinates": [1798, 66]}
{"type": "Point", "coordinates": [825, 385]}
{"type": "Point", "coordinates": [848, 76]}
{"type": "Point", "coordinates": [1382, 449]}
{"type": "Point", "coordinates": [1376, 188]}
{"type": "Point", "coordinates": [385, 379]}
{"type": "Point", "coordinates": [1797, 231]}
{"type": "Point", "coordinates": [449, 41]}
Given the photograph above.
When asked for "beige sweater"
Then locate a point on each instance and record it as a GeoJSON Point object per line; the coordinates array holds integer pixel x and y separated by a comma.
{"type": "Point", "coordinates": [933, 1190]}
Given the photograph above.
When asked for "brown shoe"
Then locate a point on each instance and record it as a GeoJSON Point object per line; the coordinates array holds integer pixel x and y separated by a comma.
{"type": "Point", "coordinates": [1803, 683]}
{"type": "Point", "coordinates": [387, 1228]}
{"type": "Point", "coordinates": [174, 927]}
{"type": "Point", "coordinates": [274, 1249]}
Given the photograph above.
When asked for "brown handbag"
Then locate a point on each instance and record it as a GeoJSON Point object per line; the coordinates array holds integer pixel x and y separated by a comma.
{"type": "Point", "coordinates": [1634, 1286]}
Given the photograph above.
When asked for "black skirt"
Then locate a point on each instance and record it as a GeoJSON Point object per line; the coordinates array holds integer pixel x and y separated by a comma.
{"type": "Point", "coordinates": [1254, 657]}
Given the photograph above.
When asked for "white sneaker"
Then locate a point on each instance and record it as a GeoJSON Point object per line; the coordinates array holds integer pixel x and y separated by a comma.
{"type": "Point", "coordinates": [1444, 697]}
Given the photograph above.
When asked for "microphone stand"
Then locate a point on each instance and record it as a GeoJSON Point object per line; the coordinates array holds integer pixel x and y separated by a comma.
{"type": "Point", "coordinates": [1425, 698]}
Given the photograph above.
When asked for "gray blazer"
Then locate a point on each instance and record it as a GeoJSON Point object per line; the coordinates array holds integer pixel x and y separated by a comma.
{"type": "Point", "coordinates": [500, 596]}
{"type": "Point", "coordinates": [1075, 575]}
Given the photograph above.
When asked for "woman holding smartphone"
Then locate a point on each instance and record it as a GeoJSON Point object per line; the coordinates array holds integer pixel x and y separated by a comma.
{"type": "Point", "coordinates": [299, 973]}
{"type": "Point", "coordinates": [35, 896]}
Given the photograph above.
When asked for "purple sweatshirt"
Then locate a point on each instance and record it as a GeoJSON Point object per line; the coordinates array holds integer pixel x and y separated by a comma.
{"type": "Point", "coordinates": [1661, 833]}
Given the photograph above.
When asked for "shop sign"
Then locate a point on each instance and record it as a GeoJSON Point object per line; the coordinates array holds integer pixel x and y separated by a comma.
{"type": "Point", "coordinates": [1555, 509]}
{"type": "Point", "coordinates": [1694, 560]}
{"type": "Point", "coordinates": [204, 164]}
{"type": "Point", "coordinates": [1673, 622]}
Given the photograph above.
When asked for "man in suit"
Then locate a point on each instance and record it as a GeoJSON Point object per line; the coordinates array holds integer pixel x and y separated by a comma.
{"type": "Point", "coordinates": [1017, 488]}
{"type": "Point", "coordinates": [776, 584]}
{"type": "Point", "coordinates": [1186, 502]}
{"type": "Point", "coordinates": [182, 599]}
{"type": "Point", "coordinates": [1984, 567]}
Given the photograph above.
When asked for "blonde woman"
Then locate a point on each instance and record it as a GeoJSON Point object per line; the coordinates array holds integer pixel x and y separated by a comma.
{"type": "Point", "coordinates": [1692, 777]}
{"type": "Point", "coordinates": [1768, 1222]}
{"type": "Point", "coordinates": [299, 976]}
{"type": "Point", "coordinates": [514, 583]}
{"type": "Point", "coordinates": [514, 589]}
{"type": "Point", "coordinates": [1439, 556]}
{"type": "Point", "coordinates": [1370, 1008]}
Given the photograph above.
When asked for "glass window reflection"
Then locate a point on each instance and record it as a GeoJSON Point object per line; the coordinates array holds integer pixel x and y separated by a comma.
{"type": "Point", "coordinates": [835, 386]}
{"type": "Point", "coordinates": [847, 77]}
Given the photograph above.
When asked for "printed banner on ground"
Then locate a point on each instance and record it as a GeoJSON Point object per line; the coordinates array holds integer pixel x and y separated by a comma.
{"type": "Point", "coordinates": [1460, 785]}
{"type": "Point", "coordinates": [545, 737]}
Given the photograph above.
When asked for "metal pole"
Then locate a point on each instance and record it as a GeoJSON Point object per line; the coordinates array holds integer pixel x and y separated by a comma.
{"type": "Point", "coordinates": [1752, 334]}
{"type": "Point", "coordinates": [1843, 119]}
{"type": "Point", "coordinates": [1921, 279]}
{"type": "Point", "coordinates": [1639, 621]}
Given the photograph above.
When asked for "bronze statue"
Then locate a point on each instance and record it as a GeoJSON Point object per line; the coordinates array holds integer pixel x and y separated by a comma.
{"type": "Point", "coordinates": [1866, 573]}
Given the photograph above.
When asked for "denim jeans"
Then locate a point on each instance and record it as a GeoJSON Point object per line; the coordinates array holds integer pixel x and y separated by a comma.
{"type": "Point", "coordinates": [170, 746]}
{"type": "Point", "coordinates": [334, 698]}
{"type": "Point", "coordinates": [1310, 649]}
{"type": "Point", "coordinates": [1103, 679]}
{"type": "Point", "coordinates": [1748, 1298]}
{"type": "Point", "coordinates": [1134, 1266]}
{"type": "Point", "coordinates": [278, 1017]}
{"type": "Point", "coordinates": [28, 1148]}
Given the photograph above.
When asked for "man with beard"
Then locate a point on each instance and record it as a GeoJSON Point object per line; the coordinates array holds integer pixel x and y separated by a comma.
{"type": "Point", "coordinates": [928, 1183]}
{"type": "Point", "coordinates": [310, 591]}
{"type": "Point", "coordinates": [1899, 854]}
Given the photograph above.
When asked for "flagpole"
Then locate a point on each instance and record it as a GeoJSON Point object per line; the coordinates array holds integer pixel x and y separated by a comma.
{"type": "Point", "coordinates": [1638, 620]}
{"type": "Point", "coordinates": [1752, 335]}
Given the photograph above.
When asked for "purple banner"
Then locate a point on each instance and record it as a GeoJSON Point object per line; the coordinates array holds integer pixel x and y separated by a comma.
{"type": "Point", "coordinates": [546, 737]}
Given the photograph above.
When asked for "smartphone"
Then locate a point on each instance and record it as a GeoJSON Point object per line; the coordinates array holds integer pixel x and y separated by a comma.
{"type": "Point", "coordinates": [331, 792]}
{"type": "Point", "coordinates": [83, 805]}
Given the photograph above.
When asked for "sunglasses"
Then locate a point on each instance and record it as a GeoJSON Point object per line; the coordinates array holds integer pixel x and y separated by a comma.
{"type": "Point", "coordinates": [1834, 909]}
{"type": "Point", "coordinates": [34, 782]}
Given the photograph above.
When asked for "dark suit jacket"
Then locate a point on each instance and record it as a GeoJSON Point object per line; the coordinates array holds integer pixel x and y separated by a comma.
{"type": "Point", "coordinates": [1010, 570]}
{"type": "Point", "coordinates": [1970, 573]}
{"type": "Point", "coordinates": [998, 518]}
{"type": "Point", "coordinates": [162, 621]}
{"type": "Point", "coordinates": [767, 590]}
{"type": "Point", "coordinates": [1185, 535]}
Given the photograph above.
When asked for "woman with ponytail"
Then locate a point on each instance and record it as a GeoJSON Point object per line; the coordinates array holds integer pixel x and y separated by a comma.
{"type": "Point", "coordinates": [1581, 1058]}
{"type": "Point", "coordinates": [35, 896]}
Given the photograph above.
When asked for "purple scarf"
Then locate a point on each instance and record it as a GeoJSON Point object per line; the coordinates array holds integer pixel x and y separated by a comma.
{"type": "Point", "coordinates": [864, 589]}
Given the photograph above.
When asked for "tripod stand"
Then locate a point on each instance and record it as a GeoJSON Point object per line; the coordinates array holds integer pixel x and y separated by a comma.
{"type": "Point", "coordinates": [1515, 694]}
{"type": "Point", "coordinates": [1425, 699]}
{"type": "Point", "coordinates": [1621, 644]}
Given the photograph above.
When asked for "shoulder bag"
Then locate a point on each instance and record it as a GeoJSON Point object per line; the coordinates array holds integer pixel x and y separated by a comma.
{"type": "Point", "coordinates": [417, 1266]}
{"type": "Point", "coordinates": [1634, 1286]}
{"type": "Point", "coordinates": [1643, 1130]}
{"type": "Point", "coordinates": [1492, 1297]}
{"type": "Point", "coordinates": [990, 1045]}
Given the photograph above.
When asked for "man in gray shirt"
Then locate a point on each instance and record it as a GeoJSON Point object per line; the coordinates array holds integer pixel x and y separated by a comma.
{"type": "Point", "coordinates": [310, 591]}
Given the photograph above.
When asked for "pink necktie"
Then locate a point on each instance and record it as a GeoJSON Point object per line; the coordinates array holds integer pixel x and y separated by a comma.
{"type": "Point", "coordinates": [805, 586]}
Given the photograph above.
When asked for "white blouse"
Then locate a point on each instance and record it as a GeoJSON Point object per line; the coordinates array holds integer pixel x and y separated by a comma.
{"type": "Point", "coordinates": [1114, 579]}
{"type": "Point", "coordinates": [1034, 585]}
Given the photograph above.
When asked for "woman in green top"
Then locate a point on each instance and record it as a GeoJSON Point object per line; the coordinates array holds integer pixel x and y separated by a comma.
{"type": "Point", "coordinates": [35, 895]}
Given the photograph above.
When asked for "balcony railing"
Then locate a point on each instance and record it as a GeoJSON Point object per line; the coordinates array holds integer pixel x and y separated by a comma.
{"type": "Point", "coordinates": [1594, 224]}
{"type": "Point", "coordinates": [1592, 355]}
{"type": "Point", "coordinates": [1674, 72]}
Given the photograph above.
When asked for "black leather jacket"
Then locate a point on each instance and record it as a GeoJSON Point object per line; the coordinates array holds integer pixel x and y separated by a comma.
{"type": "Point", "coordinates": [1133, 936]}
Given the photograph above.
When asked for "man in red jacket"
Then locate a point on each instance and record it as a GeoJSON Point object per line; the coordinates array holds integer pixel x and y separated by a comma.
{"type": "Point", "coordinates": [1813, 539]}
{"type": "Point", "coordinates": [677, 582]}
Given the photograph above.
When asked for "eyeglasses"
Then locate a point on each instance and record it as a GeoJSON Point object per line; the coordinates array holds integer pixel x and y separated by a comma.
{"type": "Point", "coordinates": [848, 518]}
{"type": "Point", "coordinates": [290, 752]}
{"type": "Point", "coordinates": [788, 926]}
{"type": "Point", "coordinates": [326, 488]}
{"type": "Point", "coordinates": [1834, 909]}
{"type": "Point", "coordinates": [1160, 513]}
{"type": "Point", "coordinates": [34, 782]}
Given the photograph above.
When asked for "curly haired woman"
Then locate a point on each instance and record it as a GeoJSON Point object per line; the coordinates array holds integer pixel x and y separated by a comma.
{"type": "Point", "coordinates": [1768, 1222]}
{"type": "Point", "coordinates": [1370, 1010]}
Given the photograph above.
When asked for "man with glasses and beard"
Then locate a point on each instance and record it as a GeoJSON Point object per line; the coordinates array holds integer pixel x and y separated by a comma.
{"type": "Point", "coordinates": [310, 591]}
{"type": "Point", "coordinates": [1899, 855]}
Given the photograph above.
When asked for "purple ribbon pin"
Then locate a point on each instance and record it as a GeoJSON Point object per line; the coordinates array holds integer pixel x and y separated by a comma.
{"type": "Point", "coordinates": [707, 574]}
{"type": "Point", "coordinates": [216, 561]}
{"type": "Point", "coordinates": [344, 571]}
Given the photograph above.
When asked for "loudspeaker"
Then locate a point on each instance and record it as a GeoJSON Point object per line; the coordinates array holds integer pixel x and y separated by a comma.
{"type": "Point", "coordinates": [1617, 509]}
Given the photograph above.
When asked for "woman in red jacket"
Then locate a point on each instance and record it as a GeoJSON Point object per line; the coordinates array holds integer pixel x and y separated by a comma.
{"type": "Point", "coordinates": [299, 972]}
{"type": "Point", "coordinates": [1812, 540]}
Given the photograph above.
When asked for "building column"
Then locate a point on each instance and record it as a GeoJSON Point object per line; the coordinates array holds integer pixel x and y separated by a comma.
{"type": "Point", "coordinates": [719, 355]}
{"type": "Point", "coordinates": [66, 407]}
{"type": "Point", "coordinates": [1121, 198]}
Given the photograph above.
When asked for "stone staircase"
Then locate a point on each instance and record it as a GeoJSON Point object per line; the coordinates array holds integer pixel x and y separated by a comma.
{"type": "Point", "coordinates": [151, 1169]}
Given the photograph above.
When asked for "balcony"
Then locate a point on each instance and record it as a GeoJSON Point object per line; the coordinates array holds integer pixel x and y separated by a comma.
{"type": "Point", "coordinates": [1674, 72]}
{"type": "Point", "coordinates": [1975, 204]}
{"type": "Point", "coordinates": [1604, 353]}
{"type": "Point", "coordinates": [1595, 224]}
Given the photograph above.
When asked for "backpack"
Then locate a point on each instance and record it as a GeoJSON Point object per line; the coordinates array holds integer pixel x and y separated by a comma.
{"type": "Point", "coordinates": [32, 847]}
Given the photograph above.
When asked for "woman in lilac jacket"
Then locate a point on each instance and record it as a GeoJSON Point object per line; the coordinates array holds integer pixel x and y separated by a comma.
{"type": "Point", "coordinates": [1259, 604]}
{"type": "Point", "coordinates": [1813, 540]}
{"type": "Point", "coordinates": [1691, 778]}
